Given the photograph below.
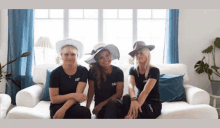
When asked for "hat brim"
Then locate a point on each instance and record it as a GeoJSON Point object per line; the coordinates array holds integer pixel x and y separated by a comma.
{"type": "Point", "coordinates": [150, 47]}
{"type": "Point", "coordinates": [114, 52]}
{"type": "Point", "coordinates": [75, 43]}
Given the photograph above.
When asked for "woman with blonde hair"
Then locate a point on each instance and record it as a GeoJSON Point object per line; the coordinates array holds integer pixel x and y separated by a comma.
{"type": "Point", "coordinates": [67, 83]}
{"type": "Point", "coordinates": [144, 76]}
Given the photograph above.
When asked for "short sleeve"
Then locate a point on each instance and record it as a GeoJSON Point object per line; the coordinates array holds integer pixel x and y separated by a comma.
{"type": "Point", "coordinates": [119, 76]}
{"type": "Point", "coordinates": [83, 75]}
{"type": "Point", "coordinates": [54, 79]}
{"type": "Point", "coordinates": [91, 75]}
{"type": "Point", "coordinates": [132, 71]}
{"type": "Point", "coordinates": [154, 73]}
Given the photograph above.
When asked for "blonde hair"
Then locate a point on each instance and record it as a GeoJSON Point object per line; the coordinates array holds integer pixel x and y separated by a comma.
{"type": "Point", "coordinates": [74, 51]}
{"type": "Point", "coordinates": [148, 65]}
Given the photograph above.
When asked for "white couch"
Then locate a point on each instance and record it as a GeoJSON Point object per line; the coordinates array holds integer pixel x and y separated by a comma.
{"type": "Point", "coordinates": [197, 106]}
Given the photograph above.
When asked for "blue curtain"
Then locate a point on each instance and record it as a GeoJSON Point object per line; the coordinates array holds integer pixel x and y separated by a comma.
{"type": "Point", "coordinates": [20, 40]}
{"type": "Point", "coordinates": [171, 52]}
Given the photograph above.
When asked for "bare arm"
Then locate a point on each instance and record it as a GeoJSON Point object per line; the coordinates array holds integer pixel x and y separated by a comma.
{"type": "Point", "coordinates": [58, 99]}
{"type": "Point", "coordinates": [147, 89]}
{"type": "Point", "coordinates": [90, 93]}
{"type": "Point", "coordinates": [80, 88]}
{"type": "Point", "coordinates": [131, 86]}
{"type": "Point", "coordinates": [117, 95]}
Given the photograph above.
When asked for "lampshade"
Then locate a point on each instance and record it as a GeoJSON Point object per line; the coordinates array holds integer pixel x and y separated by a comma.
{"type": "Point", "coordinates": [43, 42]}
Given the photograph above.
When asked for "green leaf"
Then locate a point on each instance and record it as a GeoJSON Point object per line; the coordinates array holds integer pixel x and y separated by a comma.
{"type": "Point", "coordinates": [25, 54]}
{"type": "Point", "coordinates": [208, 50]}
{"type": "Point", "coordinates": [8, 75]}
{"type": "Point", "coordinates": [11, 61]}
{"type": "Point", "coordinates": [197, 64]}
{"type": "Point", "coordinates": [201, 64]}
{"type": "Point", "coordinates": [209, 72]}
{"type": "Point", "coordinates": [214, 67]}
{"type": "Point", "coordinates": [217, 42]}
{"type": "Point", "coordinates": [200, 70]}
{"type": "Point", "coordinates": [206, 66]}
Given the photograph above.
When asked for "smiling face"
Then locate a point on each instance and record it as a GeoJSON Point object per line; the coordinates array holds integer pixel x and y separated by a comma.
{"type": "Point", "coordinates": [69, 55]}
{"type": "Point", "coordinates": [141, 56]}
{"type": "Point", "coordinates": [104, 58]}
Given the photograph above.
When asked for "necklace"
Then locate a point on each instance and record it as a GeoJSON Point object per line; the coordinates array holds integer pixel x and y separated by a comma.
{"type": "Point", "coordinates": [69, 76]}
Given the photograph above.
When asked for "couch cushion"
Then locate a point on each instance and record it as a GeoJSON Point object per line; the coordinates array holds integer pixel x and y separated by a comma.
{"type": "Point", "coordinates": [40, 111]}
{"type": "Point", "coordinates": [39, 75]}
{"type": "Point", "coordinates": [45, 95]}
{"type": "Point", "coordinates": [171, 88]}
{"type": "Point", "coordinates": [174, 69]}
{"type": "Point", "coordinates": [183, 110]}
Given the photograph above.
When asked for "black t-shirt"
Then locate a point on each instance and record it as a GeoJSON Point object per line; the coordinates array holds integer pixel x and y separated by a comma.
{"type": "Point", "coordinates": [108, 88]}
{"type": "Point", "coordinates": [59, 79]}
{"type": "Point", "coordinates": [140, 82]}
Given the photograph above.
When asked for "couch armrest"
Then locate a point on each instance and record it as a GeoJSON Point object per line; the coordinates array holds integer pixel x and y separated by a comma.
{"type": "Point", "coordinates": [5, 102]}
{"type": "Point", "coordinates": [30, 96]}
{"type": "Point", "coordinates": [195, 95]}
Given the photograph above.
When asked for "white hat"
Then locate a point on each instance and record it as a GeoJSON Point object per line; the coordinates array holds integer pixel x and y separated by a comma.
{"type": "Point", "coordinates": [72, 42]}
{"type": "Point", "coordinates": [114, 52]}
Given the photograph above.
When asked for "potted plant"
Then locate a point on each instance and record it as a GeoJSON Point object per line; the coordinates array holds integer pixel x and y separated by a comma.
{"type": "Point", "coordinates": [8, 76]}
{"type": "Point", "coordinates": [203, 66]}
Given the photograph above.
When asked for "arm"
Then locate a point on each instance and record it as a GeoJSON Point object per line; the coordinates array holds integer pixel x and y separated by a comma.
{"type": "Point", "coordinates": [117, 95]}
{"type": "Point", "coordinates": [58, 99]}
{"type": "Point", "coordinates": [147, 89]}
{"type": "Point", "coordinates": [80, 88]}
{"type": "Point", "coordinates": [61, 112]}
{"type": "Point", "coordinates": [131, 86]}
{"type": "Point", "coordinates": [90, 93]}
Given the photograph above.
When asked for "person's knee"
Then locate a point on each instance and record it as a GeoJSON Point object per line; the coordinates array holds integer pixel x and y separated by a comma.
{"type": "Point", "coordinates": [87, 113]}
{"type": "Point", "coordinates": [126, 97]}
{"type": "Point", "coordinates": [112, 102]}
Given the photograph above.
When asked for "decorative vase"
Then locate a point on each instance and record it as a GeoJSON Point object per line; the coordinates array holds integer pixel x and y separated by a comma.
{"type": "Point", "coordinates": [215, 87]}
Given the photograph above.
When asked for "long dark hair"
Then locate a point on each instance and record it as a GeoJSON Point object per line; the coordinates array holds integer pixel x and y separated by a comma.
{"type": "Point", "coordinates": [100, 74]}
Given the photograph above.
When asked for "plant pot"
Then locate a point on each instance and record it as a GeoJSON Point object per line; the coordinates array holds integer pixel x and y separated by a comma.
{"type": "Point", "coordinates": [215, 87]}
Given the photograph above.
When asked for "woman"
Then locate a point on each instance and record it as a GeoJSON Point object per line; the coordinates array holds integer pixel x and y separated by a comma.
{"type": "Point", "coordinates": [105, 81]}
{"type": "Point", "coordinates": [145, 77]}
{"type": "Point", "coordinates": [67, 83]}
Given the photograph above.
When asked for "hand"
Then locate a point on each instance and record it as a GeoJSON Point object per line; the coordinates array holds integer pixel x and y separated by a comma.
{"type": "Point", "coordinates": [80, 97]}
{"type": "Point", "coordinates": [133, 111]}
{"type": "Point", "coordinates": [59, 114]}
{"type": "Point", "coordinates": [96, 109]}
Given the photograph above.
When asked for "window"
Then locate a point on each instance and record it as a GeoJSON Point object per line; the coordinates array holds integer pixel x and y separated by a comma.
{"type": "Point", "coordinates": [121, 27]}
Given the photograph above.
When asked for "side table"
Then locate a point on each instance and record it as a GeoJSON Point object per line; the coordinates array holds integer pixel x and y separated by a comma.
{"type": "Point", "coordinates": [214, 99]}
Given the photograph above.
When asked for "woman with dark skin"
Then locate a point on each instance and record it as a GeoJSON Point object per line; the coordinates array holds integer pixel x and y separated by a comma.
{"type": "Point", "coordinates": [106, 82]}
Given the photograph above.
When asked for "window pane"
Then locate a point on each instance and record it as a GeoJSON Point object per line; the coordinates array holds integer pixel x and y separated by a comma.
{"type": "Point", "coordinates": [144, 13]}
{"type": "Point", "coordinates": [56, 13]}
{"type": "Point", "coordinates": [125, 13]}
{"type": "Point", "coordinates": [45, 28]}
{"type": "Point", "coordinates": [41, 13]}
{"type": "Point", "coordinates": [159, 13]}
{"type": "Point", "coordinates": [119, 33]}
{"type": "Point", "coordinates": [147, 41]}
{"type": "Point", "coordinates": [110, 13]}
{"type": "Point", "coordinates": [144, 28]}
{"type": "Point", "coordinates": [86, 31]}
{"type": "Point", "coordinates": [75, 13]}
{"type": "Point", "coordinates": [158, 28]}
{"type": "Point", "coordinates": [91, 13]}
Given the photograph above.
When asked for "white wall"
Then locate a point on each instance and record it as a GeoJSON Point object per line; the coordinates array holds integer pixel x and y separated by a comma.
{"type": "Point", "coordinates": [3, 43]}
{"type": "Point", "coordinates": [198, 28]}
